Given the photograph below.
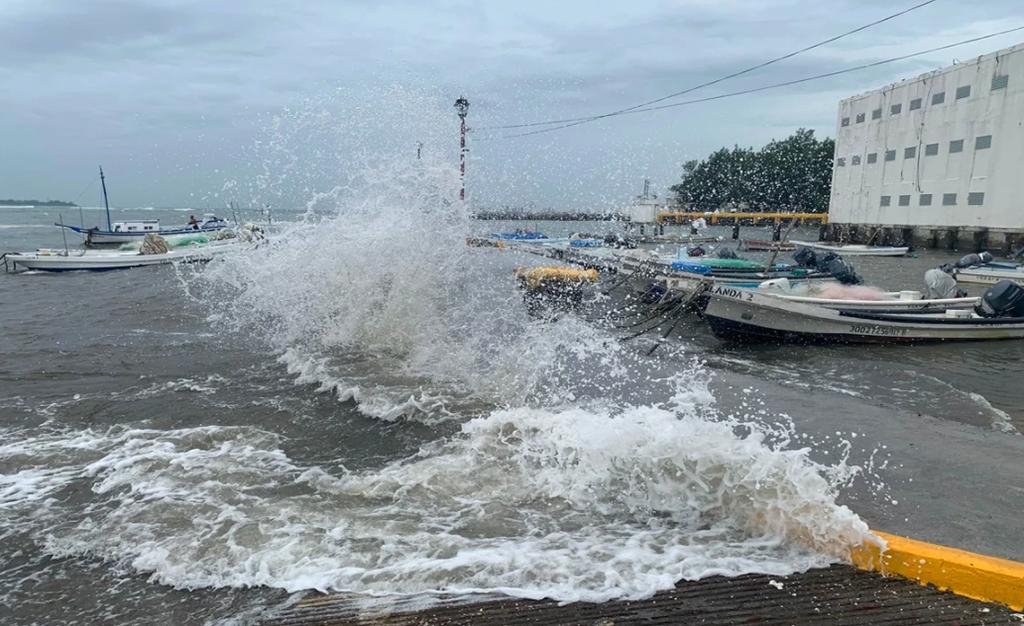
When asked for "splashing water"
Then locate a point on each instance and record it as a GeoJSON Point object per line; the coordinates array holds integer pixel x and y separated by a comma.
{"type": "Point", "coordinates": [570, 465]}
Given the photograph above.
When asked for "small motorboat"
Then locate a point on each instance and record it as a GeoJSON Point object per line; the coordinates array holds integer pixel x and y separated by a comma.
{"type": "Point", "coordinates": [50, 260]}
{"type": "Point", "coordinates": [765, 245]}
{"type": "Point", "coordinates": [990, 273]}
{"type": "Point", "coordinates": [519, 235]}
{"type": "Point", "coordinates": [750, 315]}
{"type": "Point", "coordinates": [834, 295]}
{"type": "Point", "coordinates": [136, 230]}
{"type": "Point", "coordinates": [853, 249]}
{"type": "Point", "coordinates": [982, 269]}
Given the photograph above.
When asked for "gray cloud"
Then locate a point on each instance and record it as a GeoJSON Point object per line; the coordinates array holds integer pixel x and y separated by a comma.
{"type": "Point", "coordinates": [173, 96]}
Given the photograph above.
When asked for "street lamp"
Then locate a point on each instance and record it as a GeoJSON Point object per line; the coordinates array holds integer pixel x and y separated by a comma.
{"type": "Point", "coordinates": [462, 108]}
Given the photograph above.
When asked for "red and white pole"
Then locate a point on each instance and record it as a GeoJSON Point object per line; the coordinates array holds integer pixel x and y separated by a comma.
{"type": "Point", "coordinates": [462, 107]}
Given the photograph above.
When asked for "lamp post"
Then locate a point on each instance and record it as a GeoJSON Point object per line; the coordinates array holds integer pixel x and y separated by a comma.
{"type": "Point", "coordinates": [462, 108]}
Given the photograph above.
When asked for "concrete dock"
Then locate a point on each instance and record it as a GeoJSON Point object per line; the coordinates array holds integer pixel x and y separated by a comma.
{"type": "Point", "coordinates": [837, 595]}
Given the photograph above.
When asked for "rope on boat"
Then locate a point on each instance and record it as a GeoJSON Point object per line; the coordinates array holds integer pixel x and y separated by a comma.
{"type": "Point", "coordinates": [700, 290]}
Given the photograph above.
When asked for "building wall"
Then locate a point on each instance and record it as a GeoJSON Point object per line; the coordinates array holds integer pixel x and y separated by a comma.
{"type": "Point", "coordinates": [909, 127]}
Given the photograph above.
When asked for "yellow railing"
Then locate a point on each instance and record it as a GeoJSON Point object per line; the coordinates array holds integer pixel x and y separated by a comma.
{"type": "Point", "coordinates": [730, 217]}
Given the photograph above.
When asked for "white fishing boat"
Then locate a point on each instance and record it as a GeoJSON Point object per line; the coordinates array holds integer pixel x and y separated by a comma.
{"type": "Point", "coordinates": [909, 301]}
{"type": "Point", "coordinates": [990, 273]}
{"type": "Point", "coordinates": [852, 249]}
{"type": "Point", "coordinates": [136, 230]}
{"type": "Point", "coordinates": [749, 315]}
{"type": "Point", "coordinates": [51, 260]}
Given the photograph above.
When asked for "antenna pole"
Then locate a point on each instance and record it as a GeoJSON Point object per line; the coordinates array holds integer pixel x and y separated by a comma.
{"type": "Point", "coordinates": [106, 203]}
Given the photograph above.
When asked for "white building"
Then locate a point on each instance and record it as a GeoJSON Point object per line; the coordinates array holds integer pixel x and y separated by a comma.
{"type": "Point", "coordinates": [943, 150]}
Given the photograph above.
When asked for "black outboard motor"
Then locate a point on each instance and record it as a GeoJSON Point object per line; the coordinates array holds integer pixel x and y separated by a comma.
{"type": "Point", "coordinates": [1004, 299]}
{"type": "Point", "coordinates": [654, 294]}
{"type": "Point", "coordinates": [974, 259]}
{"type": "Point", "coordinates": [617, 240]}
{"type": "Point", "coordinates": [842, 270]}
{"type": "Point", "coordinates": [805, 257]}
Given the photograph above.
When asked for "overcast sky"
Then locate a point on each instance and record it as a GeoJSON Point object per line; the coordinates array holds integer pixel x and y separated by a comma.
{"type": "Point", "coordinates": [196, 103]}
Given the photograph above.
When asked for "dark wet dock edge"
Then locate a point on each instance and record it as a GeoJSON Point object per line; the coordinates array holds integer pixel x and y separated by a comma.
{"type": "Point", "coordinates": [840, 595]}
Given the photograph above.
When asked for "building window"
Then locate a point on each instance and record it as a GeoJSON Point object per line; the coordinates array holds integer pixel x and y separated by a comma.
{"type": "Point", "coordinates": [855, 160]}
{"type": "Point", "coordinates": [886, 201]}
{"type": "Point", "coordinates": [845, 122]}
{"type": "Point", "coordinates": [860, 118]}
{"type": "Point", "coordinates": [915, 104]}
{"type": "Point", "coordinates": [939, 98]}
{"type": "Point", "coordinates": [925, 199]}
{"type": "Point", "coordinates": [975, 198]}
{"type": "Point", "coordinates": [904, 200]}
{"type": "Point", "coordinates": [841, 161]}
{"type": "Point", "coordinates": [909, 153]}
{"type": "Point", "coordinates": [957, 145]}
{"type": "Point", "coordinates": [876, 114]}
{"type": "Point", "coordinates": [890, 155]}
{"type": "Point", "coordinates": [949, 199]}
{"type": "Point", "coordinates": [895, 109]}
{"type": "Point", "coordinates": [1000, 81]}
{"type": "Point", "coordinates": [872, 158]}
{"type": "Point", "coordinates": [931, 149]}
{"type": "Point", "coordinates": [982, 143]}
{"type": "Point", "coordinates": [963, 92]}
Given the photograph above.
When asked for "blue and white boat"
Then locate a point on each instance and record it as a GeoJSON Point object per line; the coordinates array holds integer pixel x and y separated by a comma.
{"type": "Point", "coordinates": [136, 230]}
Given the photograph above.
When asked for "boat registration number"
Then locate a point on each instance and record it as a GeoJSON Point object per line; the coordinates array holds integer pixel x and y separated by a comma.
{"type": "Point", "coordinates": [729, 292]}
{"type": "Point", "coordinates": [878, 331]}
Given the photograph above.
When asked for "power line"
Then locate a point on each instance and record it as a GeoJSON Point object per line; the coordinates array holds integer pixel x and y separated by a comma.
{"type": "Point", "coordinates": [788, 82]}
{"type": "Point", "coordinates": [584, 120]}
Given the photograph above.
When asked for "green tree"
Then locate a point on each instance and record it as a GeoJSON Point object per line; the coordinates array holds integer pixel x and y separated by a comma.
{"type": "Point", "coordinates": [794, 174]}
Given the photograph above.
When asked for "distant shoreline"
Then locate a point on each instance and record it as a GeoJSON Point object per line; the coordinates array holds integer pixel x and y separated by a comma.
{"type": "Point", "coordinates": [34, 203]}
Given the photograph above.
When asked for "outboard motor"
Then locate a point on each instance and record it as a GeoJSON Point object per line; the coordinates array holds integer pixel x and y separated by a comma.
{"type": "Point", "coordinates": [654, 294]}
{"type": "Point", "coordinates": [974, 259]}
{"type": "Point", "coordinates": [726, 253]}
{"type": "Point", "coordinates": [617, 240]}
{"type": "Point", "coordinates": [805, 257]}
{"type": "Point", "coordinates": [841, 269]}
{"type": "Point", "coordinates": [1004, 299]}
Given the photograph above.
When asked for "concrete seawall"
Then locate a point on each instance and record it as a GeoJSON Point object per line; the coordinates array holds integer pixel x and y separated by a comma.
{"type": "Point", "coordinates": [960, 238]}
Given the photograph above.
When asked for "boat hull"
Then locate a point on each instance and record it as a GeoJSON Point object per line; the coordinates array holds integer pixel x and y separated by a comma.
{"type": "Point", "coordinates": [105, 237]}
{"type": "Point", "coordinates": [767, 246]}
{"type": "Point", "coordinates": [989, 276]}
{"type": "Point", "coordinates": [854, 250]}
{"type": "Point", "coordinates": [109, 261]}
{"type": "Point", "coordinates": [747, 316]}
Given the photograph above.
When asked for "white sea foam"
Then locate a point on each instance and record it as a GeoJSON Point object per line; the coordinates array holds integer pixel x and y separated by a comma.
{"type": "Point", "coordinates": [571, 504]}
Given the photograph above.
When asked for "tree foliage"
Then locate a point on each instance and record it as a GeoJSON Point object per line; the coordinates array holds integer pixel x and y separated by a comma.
{"type": "Point", "coordinates": [794, 174]}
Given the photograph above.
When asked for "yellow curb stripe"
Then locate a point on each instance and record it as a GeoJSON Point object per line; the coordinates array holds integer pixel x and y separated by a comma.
{"type": "Point", "coordinates": [976, 576]}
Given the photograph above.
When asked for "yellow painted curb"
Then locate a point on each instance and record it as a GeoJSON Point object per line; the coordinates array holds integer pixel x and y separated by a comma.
{"type": "Point", "coordinates": [977, 576]}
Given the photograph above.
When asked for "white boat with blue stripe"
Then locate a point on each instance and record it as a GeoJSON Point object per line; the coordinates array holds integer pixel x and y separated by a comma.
{"type": "Point", "coordinates": [136, 230]}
